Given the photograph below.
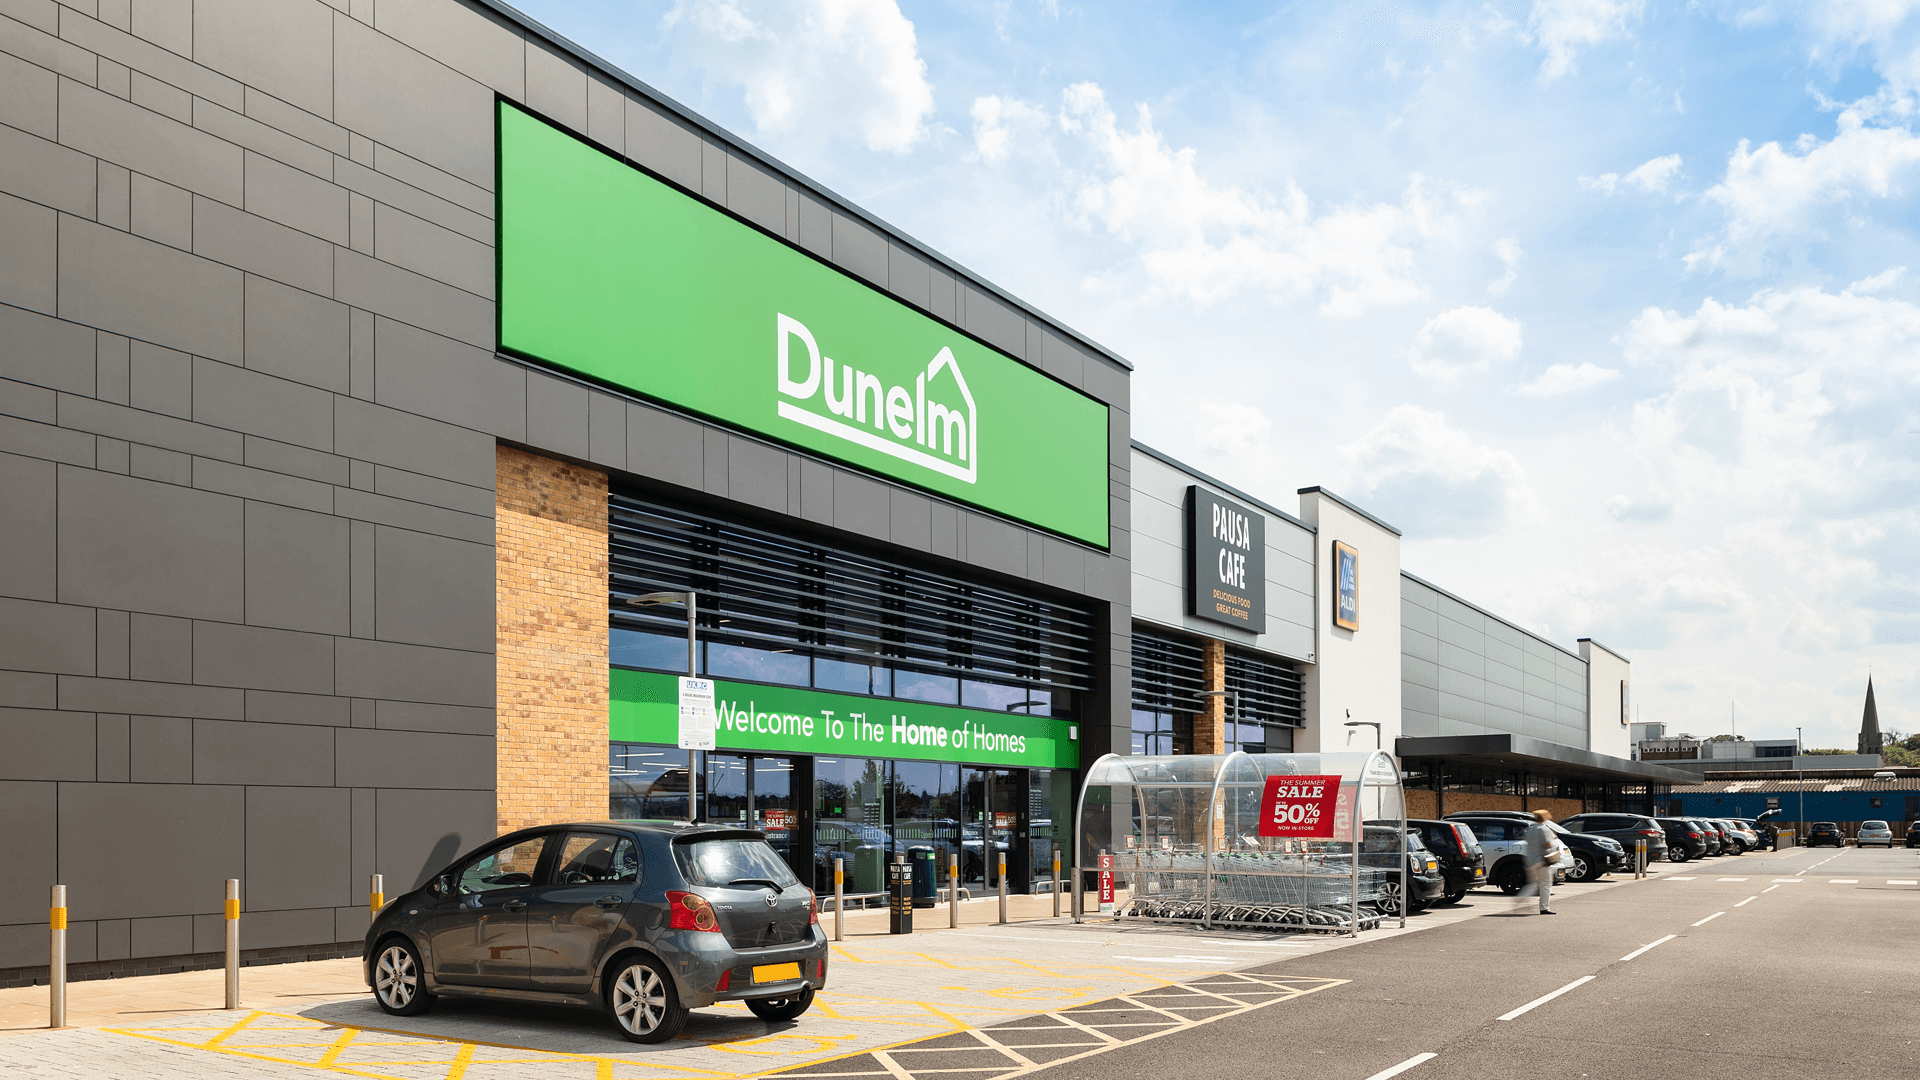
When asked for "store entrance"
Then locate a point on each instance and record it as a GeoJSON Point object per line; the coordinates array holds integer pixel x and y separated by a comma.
{"type": "Point", "coordinates": [993, 822]}
{"type": "Point", "coordinates": [755, 791]}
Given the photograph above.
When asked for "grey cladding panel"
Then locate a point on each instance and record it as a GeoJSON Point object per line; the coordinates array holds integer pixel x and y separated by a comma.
{"type": "Point", "coordinates": [45, 351]}
{"type": "Point", "coordinates": [28, 235]}
{"type": "Point", "coordinates": [556, 415]}
{"type": "Point", "coordinates": [909, 276]}
{"type": "Point", "coordinates": [228, 35]}
{"type": "Point", "coordinates": [241, 400]}
{"type": "Point", "coordinates": [29, 810]}
{"type": "Point", "coordinates": [46, 637]}
{"type": "Point", "coordinates": [149, 291]}
{"type": "Point", "coordinates": [556, 85]}
{"type": "Point", "coordinates": [243, 753]}
{"type": "Point", "coordinates": [431, 375]}
{"type": "Point", "coordinates": [859, 250]}
{"type": "Point", "coordinates": [46, 745]}
{"type": "Point", "coordinates": [662, 143]}
{"type": "Point", "coordinates": [465, 37]}
{"type": "Point", "coordinates": [992, 320]}
{"type": "Point", "coordinates": [420, 832]}
{"type": "Point", "coordinates": [296, 335]}
{"type": "Point", "coordinates": [129, 543]}
{"type": "Point", "coordinates": [178, 840]}
{"type": "Point", "coordinates": [756, 195]}
{"type": "Point", "coordinates": [396, 96]}
{"type": "Point", "coordinates": [377, 758]}
{"type": "Point", "coordinates": [260, 658]}
{"type": "Point", "coordinates": [149, 144]}
{"type": "Point", "coordinates": [415, 443]}
{"type": "Point", "coordinates": [401, 672]}
{"type": "Point", "coordinates": [433, 591]}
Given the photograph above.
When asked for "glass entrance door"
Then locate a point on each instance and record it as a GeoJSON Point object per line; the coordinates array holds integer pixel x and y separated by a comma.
{"type": "Point", "coordinates": [993, 822]}
{"type": "Point", "coordinates": [755, 792]}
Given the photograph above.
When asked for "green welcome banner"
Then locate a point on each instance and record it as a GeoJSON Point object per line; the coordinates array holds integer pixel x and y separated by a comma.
{"type": "Point", "coordinates": [795, 720]}
{"type": "Point", "coordinates": [613, 274]}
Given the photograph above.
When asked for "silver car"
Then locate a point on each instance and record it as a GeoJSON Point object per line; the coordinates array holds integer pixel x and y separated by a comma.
{"type": "Point", "coordinates": [644, 920]}
{"type": "Point", "coordinates": [1874, 832]}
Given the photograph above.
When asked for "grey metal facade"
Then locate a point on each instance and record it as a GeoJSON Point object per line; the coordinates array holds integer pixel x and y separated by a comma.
{"type": "Point", "coordinates": [1465, 672]}
{"type": "Point", "coordinates": [247, 431]}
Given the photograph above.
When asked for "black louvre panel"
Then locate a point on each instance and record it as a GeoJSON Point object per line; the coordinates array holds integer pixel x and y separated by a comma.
{"type": "Point", "coordinates": [766, 590]}
{"type": "Point", "coordinates": [1271, 691]}
{"type": "Point", "coordinates": [1169, 671]}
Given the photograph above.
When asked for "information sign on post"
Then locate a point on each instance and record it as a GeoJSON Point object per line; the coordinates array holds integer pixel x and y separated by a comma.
{"type": "Point", "coordinates": [697, 714]}
{"type": "Point", "coordinates": [1301, 807]}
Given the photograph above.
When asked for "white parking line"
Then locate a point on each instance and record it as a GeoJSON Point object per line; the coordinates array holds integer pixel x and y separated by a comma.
{"type": "Point", "coordinates": [1843, 881]}
{"type": "Point", "coordinates": [1902, 881]}
{"type": "Point", "coordinates": [1731, 879]}
{"type": "Point", "coordinates": [1747, 901]}
{"type": "Point", "coordinates": [1644, 948]}
{"type": "Point", "coordinates": [1682, 878]}
{"type": "Point", "coordinates": [1769, 889]}
{"type": "Point", "coordinates": [1786, 880]}
{"type": "Point", "coordinates": [1539, 1001]}
{"type": "Point", "coordinates": [1175, 959]}
{"type": "Point", "coordinates": [1710, 918]}
{"type": "Point", "coordinates": [1402, 1067]}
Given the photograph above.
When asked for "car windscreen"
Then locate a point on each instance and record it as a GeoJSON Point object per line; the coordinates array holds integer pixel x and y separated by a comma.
{"type": "Point", "coordinates": [722, 861]}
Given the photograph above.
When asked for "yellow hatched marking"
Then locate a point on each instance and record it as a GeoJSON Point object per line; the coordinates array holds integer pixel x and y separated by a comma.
{"type": "Point", "coordinates": [222, 1037]}
{"type": "Point", "coordinates": [460, 1062]}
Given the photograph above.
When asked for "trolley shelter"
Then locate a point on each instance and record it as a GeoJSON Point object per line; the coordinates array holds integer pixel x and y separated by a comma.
{"type": "Point", "coordinates": [1277, 841]}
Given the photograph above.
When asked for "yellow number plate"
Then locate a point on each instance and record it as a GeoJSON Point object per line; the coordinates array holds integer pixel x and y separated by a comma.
{"type": "Point", "coordinates": [767, 973]}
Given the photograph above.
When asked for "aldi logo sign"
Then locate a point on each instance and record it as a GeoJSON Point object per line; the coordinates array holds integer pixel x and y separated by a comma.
{"type": "Point", "coordinates": [616, 275]}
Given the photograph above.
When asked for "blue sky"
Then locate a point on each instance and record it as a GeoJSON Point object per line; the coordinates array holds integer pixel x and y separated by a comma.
{"type": "Point", "coordinates": [1603, 302]}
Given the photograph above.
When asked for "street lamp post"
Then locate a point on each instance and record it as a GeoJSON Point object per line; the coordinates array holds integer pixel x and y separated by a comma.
{"type": "Point", "coordinates": [690, 599]}
{"type": "Point", "coordinates": [1378, 737]}
{"type": "Point", "coordinates": [1800, 778]}
{"type": "Point", "coordinates": [1233, 703]}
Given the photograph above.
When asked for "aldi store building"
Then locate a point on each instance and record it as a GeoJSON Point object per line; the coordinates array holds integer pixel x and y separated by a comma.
{"type": "Point", "coordinates": [360, 365]}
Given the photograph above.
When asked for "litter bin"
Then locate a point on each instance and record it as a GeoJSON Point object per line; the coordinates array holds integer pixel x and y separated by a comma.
{"type": "Point", "coordinates": [925, 873]}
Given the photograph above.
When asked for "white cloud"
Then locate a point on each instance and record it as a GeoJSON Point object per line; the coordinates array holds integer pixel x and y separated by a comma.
{"type": "Point", "coordinates": [1651, 177]}
{"type": "Point", "coordinates": [1002, 125]}
{"type": "Point", "coordinates": [1568, 379]}
{"type": "Point", "coordinates": [1507, 250]}
{"type": "Point", "coordinates": [840, 66]}
{"type": "Point", "coordinates": [1433, 480]}
{"type": "Point", "coordinates": [1638, 511]}
{"type": "Point", "coordinates": [1890, 278]}
{"type": "Point", "coordinates": [1465, 339]}
{"type": "Point", "coordinates": [1564, 27]}
{"type": "Point", "coordinates": [1771, 193]}
{"type": "Point", "coordinates": [1208, 242]}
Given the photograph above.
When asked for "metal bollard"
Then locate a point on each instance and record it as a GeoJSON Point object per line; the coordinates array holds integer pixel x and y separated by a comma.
{"type": "Point", "coordinates": [1056, 883]}
{"type": "Point", "coordinates": [1079, 904]}
{"type": "Point", "coordinates": [1003, 886]}
{"type": "Point", "coordinates": [839, 899]}
{"type": "Point", "coordinates": [376, 895]}
{"type": "Point", "coordinates": [57, 958]}
{"type": "Point", "coordinates": [233, 943]}
{"type": "Point", "coordinates": [953, 890]}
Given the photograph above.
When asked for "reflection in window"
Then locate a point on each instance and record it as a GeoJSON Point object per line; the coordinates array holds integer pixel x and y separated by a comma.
{"type": "Point", "coordinates": [641, 649]}
{"type": "Point", "coordinates": [939, 689]}
{"type": "Point", "coordinates": [1018, 699]}
{"type": "Point", "coordinates": [782, 666]}
{"type": "Point", "coordinates": [647, 783]}
{"type": "Point", "coordinates": [850, 822]}
{"type": "Point", "coordinates": [1153, 732]}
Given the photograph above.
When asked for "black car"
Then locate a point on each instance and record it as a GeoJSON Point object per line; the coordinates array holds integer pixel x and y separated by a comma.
{"type": "Point", "coordinates": [1425, 883]}
{"type": "Point", "coordinates": [1593, 856]}
{"type": "Point", "coordinates": [1626, 830]}
{"type": "Point", "coordinates": [1826, 832]}
{"type": "Point", "coordinates": [1462, 863]}
{"type": "Point", "coordinates": [1685, 839]}
{"type": "Point", "coordinates": [1716, 844]}
{"type": "Point", "coordinates": [642, 920]}
{"type": "Point", "coordinates": [1913, 835]}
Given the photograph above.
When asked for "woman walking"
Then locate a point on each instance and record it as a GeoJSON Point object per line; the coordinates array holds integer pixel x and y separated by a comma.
{"type": "Point", "coordinates": [1541, 857]}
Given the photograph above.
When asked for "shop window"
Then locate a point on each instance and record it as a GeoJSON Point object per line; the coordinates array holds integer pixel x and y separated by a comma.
{"type": "Point", "coordinates": [1018, 699]}
{"type": "Point", "coordinates": [783, 666]}
{"type": "Point", "coordinates": [647, 782]}
{"type": "Point", "coordinates": [1153, 733]}
{"type": "Point", "coordinates": [847, 677]}
{"type": "Point", "coordinates": [657, 652]}
{"type": "Point", "coordinates": [917, 686]}
{"type": "Point", "coordinates": [850, 822]}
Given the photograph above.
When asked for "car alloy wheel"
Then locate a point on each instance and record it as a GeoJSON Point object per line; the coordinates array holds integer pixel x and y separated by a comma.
{"type": "Point", "coordinates": [396, 981]}
{"type": "Point", "coordinates": [1678, 855]}
{"type": "Point", "coordinates": [645, 1007]}
{"type": "Point", "coordinates": [1577, 870]}
{"type": "Point", "coordinates": [1389, 901]}
{"type": "Point", "coordinates": [1454, 897]}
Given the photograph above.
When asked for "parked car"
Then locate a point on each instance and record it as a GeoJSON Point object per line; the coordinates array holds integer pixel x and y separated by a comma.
{"type": "Point", "coordinates": [1503, 837]}
{"type": "Point", "coordinates": [1587, 858]}
{"type": "Point", "coordinates": [1425, 883]}
{"type": "Point", "coordinates": [643, 920]}
{"type": "Point", "coordinates": [1874, 832]}
{"type": "Point", "coordinates": [1462, 862]}
{"type": "Point", "coordinates": [1626, 830]}
{"type": "Point", "coordinates": [1730, 842]}
{"type": "Point", "coordinates": [1913, 835]}
{"type": "Point", "coordinates": [1716, 837]}
{"type": "Point", "coordinates": [1744, 839]}
{"type": "Point", "coordinates": [1826, 832]}
{"type": "Point", "coordinates": [1685, 839]}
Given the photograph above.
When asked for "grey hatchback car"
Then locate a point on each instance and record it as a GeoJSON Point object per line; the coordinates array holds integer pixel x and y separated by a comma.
{"type": "Point", "coordinates": [644, 920]}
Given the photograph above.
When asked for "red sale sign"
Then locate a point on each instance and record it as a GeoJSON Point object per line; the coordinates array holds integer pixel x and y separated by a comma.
{"type": "Point", "coordinates": [1299, 806]}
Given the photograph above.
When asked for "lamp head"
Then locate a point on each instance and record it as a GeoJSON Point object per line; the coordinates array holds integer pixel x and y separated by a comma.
{"type": "Point", "coordinates": [652, 598]}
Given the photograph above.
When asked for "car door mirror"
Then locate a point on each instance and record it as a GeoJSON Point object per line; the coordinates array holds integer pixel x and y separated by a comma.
{"type": "Point", "coordinates": [441, 887]}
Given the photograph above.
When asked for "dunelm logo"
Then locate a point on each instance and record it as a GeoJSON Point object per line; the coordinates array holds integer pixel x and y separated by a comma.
{"type": "Point", "coordinates": [933, 425]}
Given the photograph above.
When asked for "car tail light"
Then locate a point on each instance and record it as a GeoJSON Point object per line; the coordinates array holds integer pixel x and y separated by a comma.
{"type": "Point", "coordinates": [1693, 836]}
{"type": "Point", "coordinates": [823, 968]}
{"type": "Point", "coordinates": [691, 912]}
{"type": "Point", "coordinates": [726, 979]}
{"type": "Point", "coordinates": [813, 908]}
{"type": "Point", "coordinates": [1460, 839]}
{"type": "Point", "coordinates": [1649, 832]}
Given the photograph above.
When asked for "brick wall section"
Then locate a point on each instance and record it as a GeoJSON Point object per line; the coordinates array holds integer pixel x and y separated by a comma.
{"type": "Point", "coordinates": [551, 618]}
{"type": "Point", "coordinates": [1210, 727]}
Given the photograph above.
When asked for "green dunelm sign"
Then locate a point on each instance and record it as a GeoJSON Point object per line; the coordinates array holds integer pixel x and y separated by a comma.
{"type": "Point", "coordinates": [613, 274]}
{"type": "Point", "coordinates": [796, 720]}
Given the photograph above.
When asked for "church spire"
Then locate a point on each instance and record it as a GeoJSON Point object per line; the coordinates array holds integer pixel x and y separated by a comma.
{"type": "Point", "coordinates": [1870, 724]}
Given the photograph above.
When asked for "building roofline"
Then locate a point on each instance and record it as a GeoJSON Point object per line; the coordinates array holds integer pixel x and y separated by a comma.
{"type": "Point", "coordinates": [1604, 649]}
{"type": "Point", "coordinates": [1411, 576]}
{"type": "Point", "coordinates": [1317, 489]}
{"type": "Point", "coordinates": [1169, 459]}
{"type": "Point", "coordinates": [587, 56]}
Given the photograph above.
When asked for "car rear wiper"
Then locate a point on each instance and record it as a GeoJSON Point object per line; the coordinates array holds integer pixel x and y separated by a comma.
{"type": "Point", "coordinates": [768, 882]}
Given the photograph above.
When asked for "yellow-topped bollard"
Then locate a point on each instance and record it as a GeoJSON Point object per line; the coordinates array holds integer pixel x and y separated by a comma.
{"type": "Point", "coordinates": [233, 943]}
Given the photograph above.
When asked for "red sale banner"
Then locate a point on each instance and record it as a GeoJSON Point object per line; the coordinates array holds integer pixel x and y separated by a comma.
{"type": "Point", "coordinates": [1299, 806]}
